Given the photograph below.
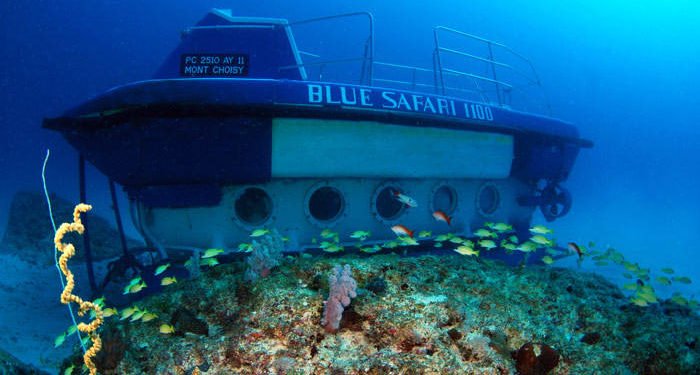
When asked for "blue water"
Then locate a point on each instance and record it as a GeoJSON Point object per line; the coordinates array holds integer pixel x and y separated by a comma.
{"type": "Point", "coordinates": [625, 73]}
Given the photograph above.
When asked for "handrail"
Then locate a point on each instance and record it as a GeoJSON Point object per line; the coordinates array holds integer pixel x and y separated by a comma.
{"type": "Point", "coordinates": [440, 69]}
{"type": "Point", "coordinates": [369, 44]}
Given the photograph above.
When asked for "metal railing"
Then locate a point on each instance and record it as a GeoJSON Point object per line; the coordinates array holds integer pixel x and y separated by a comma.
{"type": "Point", "coordinates": [447, 79]}
{"type": "Point", "coordinates": [503, 89]}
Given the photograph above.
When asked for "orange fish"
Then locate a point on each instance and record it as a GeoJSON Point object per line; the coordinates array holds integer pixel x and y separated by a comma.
{"type": "Point", "coordinates": [574, 248]}
{"type": "Point", "coordinates": [441, 216]}
{"type": "Point", "coordinates": [401, 230]}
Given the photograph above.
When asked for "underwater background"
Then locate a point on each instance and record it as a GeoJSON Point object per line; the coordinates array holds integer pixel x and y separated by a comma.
{"type": "Point", "coordinates": [625, 73]}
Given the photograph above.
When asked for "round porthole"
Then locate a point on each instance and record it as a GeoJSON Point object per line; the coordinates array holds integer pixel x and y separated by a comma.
{"type": "Point", "coordinates": [488, 199]}
{"type": "Point", "coordinates": [325, 204]}
{"type": "Point", "coordinates": [444, 199]}
{"type": "Point", "coordinates": [385, 206]}
{"type": "Point", "coordinates": [253, 206]}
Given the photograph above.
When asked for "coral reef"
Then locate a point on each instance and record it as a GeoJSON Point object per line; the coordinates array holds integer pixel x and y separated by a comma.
{"type": "Point", "coordinates": [342, 289]}
{"type": "Point", "coordinates": [412, 315]}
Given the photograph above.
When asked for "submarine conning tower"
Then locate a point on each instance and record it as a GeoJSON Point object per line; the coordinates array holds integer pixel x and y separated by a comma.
{"type": "Point", "coordinates": [241, 129]}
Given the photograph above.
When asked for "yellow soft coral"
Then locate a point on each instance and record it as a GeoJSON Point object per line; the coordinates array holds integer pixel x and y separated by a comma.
{"type": "Point", "coordinates": [67, 296]}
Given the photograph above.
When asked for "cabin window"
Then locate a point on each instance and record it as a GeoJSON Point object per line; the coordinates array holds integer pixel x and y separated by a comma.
{"type": "Point", "coordinates": [445, 199]}
{"type": "Point", "coordinates": [326, 204]}
{"type": "Point", "coordinates": [253, 206]}
{"type": "Point", "coordinates": [387, 207]}
{"type": "Point", "coordinates": [488, 199]}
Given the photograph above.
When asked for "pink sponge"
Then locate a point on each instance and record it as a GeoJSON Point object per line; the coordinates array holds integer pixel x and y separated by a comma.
{"type": "Point", "coordinates": [343, 288]}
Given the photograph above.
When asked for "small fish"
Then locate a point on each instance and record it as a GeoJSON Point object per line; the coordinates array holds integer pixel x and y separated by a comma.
{"type": "Point", "coordinates": [425, 234]}
{"type": "Point", "coordinates": [127, 312]}
{"type": "Point", "coordinates": [678, 299]}
{"type": "Point", "coordinates": [360, 235]}
{"type": "Point", "coordinates": [513, 239]}
{"type": "Point", "coordinates": [332, 247]}
{"type": "Point", "coordinates": [405, 199]}
{"type": "Point", "coordinates": [667, 271]}
{"type": "Point", "coordinates": [211, 262]}
{"type": "Point", "coordinates": [639, 301]}
{"type": "Point", "coordinates": [541, 229]}
{"type": "Point", "coordinates": [370, 250]}
{"type": "Point", "coordinates": [391, 244]}
{"type": "Point", "coordinates": [59, 340]}
{"type": "Point", "coordinates": [259, 232]}
{"type": "Point", "coordinates": [541, 240]}
{"type": "Point", "coordinates": [136, 288]}
{"type": "Point", "coordinates": [547, 260]}
{"type": "Point", "coordinates": [69, 370]}
{"type": "Point", "coordinates": [401, 230]}
{"type": "Point", "coordinates": [484, 233]}
{"type": "Point", "coordinates": [663, 280]}
{"type": "Point", "coordinates": [441, 216]}
{"type": "Point", "coordinates": [630, 286]}
{"type": "Point", "coordinates": [161, 269]}
{"type": "Point", "coordinates": [407, 241]}
{"type": "Point", "coordinates": [509, 246]}
{"type": "Point", "coordinates": [630, 266]}
{"type": "Point", "coordinates": [168, 281]}
{"type": "Point", "coordinates": [166, 329]}
{"type": "Point", "coordinates": [71, 330]}
{"type": "Point", "coordinates": [138, 315]}
{"type": "Point", "coordinates": [442, 237]}
{"type": "Point", "coordinates": [627, 275]}
{"type": "Point", "coordinates": [147, 317]}
{"type": "Point", "coordinates": [110, 311]}
{"type": "Point", "coordinates": [210, 253]}
{"type": "Point", "coordinates": [327, 233]}
{"type": "Point", "coordinates": [467, 250]}
{"type": "Point", "coordinates": [682, 279]}
{"type": "Point", "coordinates": [487, 244]}
{"type": "Point", "coordinates": [502, 227]}
{"type": "Point", "coordinates": [574, 248]}
{"type": "Point", "coordinates": [457, 240]}
{"type": "Point", "coordinates": [100, 301]}
{"type": "Point", "coordinates": [245, 247]}
{"type": "Point", "coordinates": [527, 247]}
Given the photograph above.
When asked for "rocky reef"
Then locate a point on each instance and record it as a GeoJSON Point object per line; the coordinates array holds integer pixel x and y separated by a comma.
{"type": "Point", "coordinates": [421, 314]}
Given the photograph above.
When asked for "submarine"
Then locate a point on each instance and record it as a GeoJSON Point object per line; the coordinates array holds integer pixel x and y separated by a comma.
{"type": "Point", "coordinates": [241, 128]}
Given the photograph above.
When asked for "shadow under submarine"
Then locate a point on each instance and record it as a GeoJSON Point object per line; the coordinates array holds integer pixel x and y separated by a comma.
{"type": "Point", "coordinates": [240, 129]}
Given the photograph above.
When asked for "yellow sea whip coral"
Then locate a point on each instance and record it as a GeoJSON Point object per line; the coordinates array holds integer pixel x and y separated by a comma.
{"type": "Point", "coordinates": [67, 296]}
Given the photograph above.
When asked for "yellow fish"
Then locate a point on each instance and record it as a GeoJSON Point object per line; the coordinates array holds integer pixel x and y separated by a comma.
{"type": "Point", "coordinates": [407, 241]}
{"type": "Point", "coordinates": [137, 288]}
{"type": "Point", "coordinates": [370, 250]}
{"type": "Point", "coordinates": [109, 312]}
{"type": "Point", "coordinates": [259, 232]}
{"type": "Point", "coordinates": [527, 247]}
{"type": "Point", "coordinates": [161, 269]}
{"type": "Point", "coordinates": [360, 234]}
{"type": "Point", "coordinates": [639, 301]}
{"type": "Point", "coordinates": [502, 227]}
{"type": "Point", "coordinates": [129, 311]}
{"type": "Point", "coordinates": [682, 279]}
{"type": "Point", "coordinates": [245, 247]}
{"type": "Point", "coordinates": [547, 260]}
{"type": "Point", "coordinates": [210, 253]}
{"type": "Point", "coordinates": [541, 240]}
{"type": "Point", "coordinates": [168, 281]}
{"type": "Point", "coordinates": [663, 280]}
{"type": "Point", "coordinates": [541, 229]}
{"type": "Point", "coordinates": [667, 271]}
{"type": "Point", "coordinates": [59, 340]}
{"type": "Point", "coordinates": [167, 329]}
{"type": "Point", "coordinates": [211, 262]}
{"type": "Point", "coordinates": [487, 244]}
{"type": "Point", "coordinates": [138, 315]}
{"type": "Point", "coordinates": [425, 234]}
{"type": "Point", "coordinates": [327, 233]}
{"type": "Point", "coordinates": [147, 317]}
{"type": "Point", "coordinates": [466, 250]}
{"type": "Point", "coordinates": [484, 233]}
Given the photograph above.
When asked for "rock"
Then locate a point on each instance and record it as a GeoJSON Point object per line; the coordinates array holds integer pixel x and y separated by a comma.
{"type": "Point", "coordinates": [29, 234]}
{"type": "Point", "coordinates": [528, 362]}
{"type": "Point", "coordinates": [11, 365]}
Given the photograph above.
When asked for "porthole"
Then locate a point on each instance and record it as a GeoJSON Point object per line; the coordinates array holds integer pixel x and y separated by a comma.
{"type": "Point", "coordinates": [253, 206]}
{"type": "Point", "coordinates": [488, 199]}
{"type": "Point", "coordinates": [385, 205]}
{"type": "Point", "coordinates": [444, 199]}
{"type": "Point", "coordinates": [325, 204]}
